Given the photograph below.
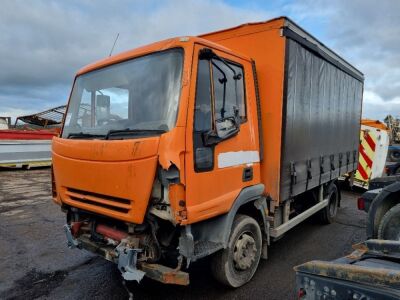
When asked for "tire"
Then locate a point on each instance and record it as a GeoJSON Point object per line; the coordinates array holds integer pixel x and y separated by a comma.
{"type": "Point", "coordinates": [395, 155]}
{"type": "Point", "coordinates": [397, 171]}
{"type": "Point", "coordinates": [389, 227]}
{"type": "Point", "coordinates": [236, 265]}
{"type": "Point", "coordinates": [328, 214]}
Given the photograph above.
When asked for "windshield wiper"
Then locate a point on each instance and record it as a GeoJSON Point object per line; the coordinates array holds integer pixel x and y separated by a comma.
{"type": "Point", "coordinates": [84, 135]}
{"type": "Point", "coordinates": [129, 131]}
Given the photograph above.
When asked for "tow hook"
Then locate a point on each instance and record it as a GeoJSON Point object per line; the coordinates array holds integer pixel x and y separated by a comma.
{"type": "Point", "coordinates": [127, 259]}
{"type": "Point", "coordinates": [71, 241]}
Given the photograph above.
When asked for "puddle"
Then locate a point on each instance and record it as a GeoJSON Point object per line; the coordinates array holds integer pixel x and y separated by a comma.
{"type": "Point", "coordinates": [12, 212]}
{"type": "Point", "coordinates": [34, 284]}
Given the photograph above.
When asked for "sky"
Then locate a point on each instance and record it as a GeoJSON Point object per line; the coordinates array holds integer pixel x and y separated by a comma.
{"type": "Point", "coordinates": [44, 43]}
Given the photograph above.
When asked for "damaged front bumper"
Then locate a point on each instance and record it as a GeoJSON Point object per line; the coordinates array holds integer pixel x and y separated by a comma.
{"type": "Point", "coordinates": [127, 260]}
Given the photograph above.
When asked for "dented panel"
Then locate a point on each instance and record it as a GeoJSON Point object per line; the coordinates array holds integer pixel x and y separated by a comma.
{"type": "Point", "coordinates": [177, 199]}
{"type": "Point", "coordinates": [113, 179]}
{"type": "Point", "coordinates": [172, 150]}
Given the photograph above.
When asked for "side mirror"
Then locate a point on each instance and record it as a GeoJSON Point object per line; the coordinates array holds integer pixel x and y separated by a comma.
{"type": "Point", "coordinates": [224, 129]}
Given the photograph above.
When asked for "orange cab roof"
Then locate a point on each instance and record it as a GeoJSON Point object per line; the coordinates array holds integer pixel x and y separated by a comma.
{"type": "Point", "coordinates": [182, 42]}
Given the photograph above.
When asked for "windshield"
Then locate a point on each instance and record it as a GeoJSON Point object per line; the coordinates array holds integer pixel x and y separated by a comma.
{"type": "Point", "coordinates": [139, 94]}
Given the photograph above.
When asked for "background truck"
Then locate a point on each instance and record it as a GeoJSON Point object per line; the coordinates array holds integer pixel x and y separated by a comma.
{"type": "Point", "coordinates": [372, 271]}
{"type": "Point", "coordinates": [382, 203]}
{"type": "Point", "coordinates": [5, 123]}
{"type": "Point", "coordinates": [27, 143]}
{"type": "Point", "coordinates": [373, 149]}
{"type": "Point", "coordinates": [210, 145]}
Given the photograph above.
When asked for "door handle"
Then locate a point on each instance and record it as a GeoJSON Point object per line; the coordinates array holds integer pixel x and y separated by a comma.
{"type": "Point", "coordinates": [247, 174]}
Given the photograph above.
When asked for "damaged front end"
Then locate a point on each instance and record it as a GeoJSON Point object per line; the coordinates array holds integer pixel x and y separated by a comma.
{"type": "Point", "coordinates": [132, 247]}
{"type": "Point", "coordinates": [130, 208]}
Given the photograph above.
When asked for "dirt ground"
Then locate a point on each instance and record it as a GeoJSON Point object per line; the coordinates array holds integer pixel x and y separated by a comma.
{"type": "Point", "coordinates": [35, 262]}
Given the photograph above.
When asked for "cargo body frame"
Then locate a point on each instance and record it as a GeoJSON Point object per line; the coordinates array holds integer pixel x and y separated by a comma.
{"type": "Point", "coordinates": [310, 105]}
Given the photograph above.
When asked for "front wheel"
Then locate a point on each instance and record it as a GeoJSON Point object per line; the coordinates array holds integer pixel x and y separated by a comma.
{"type": "Point", "coordinates": [236, 265]}
{"type": "Point", "coordinates": [389, 227]}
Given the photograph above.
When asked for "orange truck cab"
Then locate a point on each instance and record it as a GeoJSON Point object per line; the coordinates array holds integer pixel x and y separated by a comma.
{"type": "Point", "coordinates": [210, 145]}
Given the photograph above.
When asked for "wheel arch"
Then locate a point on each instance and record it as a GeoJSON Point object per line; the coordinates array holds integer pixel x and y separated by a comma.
{"type": "Point", "coordinates": [249, 201]}
{"type": "Point", "coordinates": [217, 230]}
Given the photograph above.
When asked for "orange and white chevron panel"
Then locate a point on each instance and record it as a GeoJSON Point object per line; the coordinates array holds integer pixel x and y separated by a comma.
{"type": "Point", "coordinates": [374, 143]}
{"type": "Point", "coordinates": [366, 155]}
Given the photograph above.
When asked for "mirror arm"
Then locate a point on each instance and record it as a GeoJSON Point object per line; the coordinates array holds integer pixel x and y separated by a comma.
{"type": "Point", "coordinates": [211, 137]}
{"type": "Point", "coordinates": [224, 80]}
{"type": "Point", "coordinates": [207, 53]}
{"type": "Point", "coordinates": [223, 101]}
{"type": "Point", "coordinates": [235, 77]}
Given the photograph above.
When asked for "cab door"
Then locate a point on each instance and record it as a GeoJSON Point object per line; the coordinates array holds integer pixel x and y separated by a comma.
{"type": "Point", "coordinates": [222, 134]}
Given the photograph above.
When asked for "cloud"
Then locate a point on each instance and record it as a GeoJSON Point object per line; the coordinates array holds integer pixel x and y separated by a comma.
{"type": "Point", "coordinates": [16, 112]}
{"type": "Point", "coordinates": [43, 43]}
{"type": "Point", "coordinates": [374, 107]}
{"type": "Point", "coordinates": [371, 40]}
{"type": "Point", "coordinates": [366, 33]}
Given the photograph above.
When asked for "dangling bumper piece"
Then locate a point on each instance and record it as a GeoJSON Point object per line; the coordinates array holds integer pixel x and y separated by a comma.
{"type": "Point", "coordinates": [127, 260]}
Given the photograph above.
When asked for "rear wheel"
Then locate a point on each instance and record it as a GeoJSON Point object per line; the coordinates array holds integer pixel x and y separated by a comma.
{"type": "Point", "coordinates": [389, 227]}
{"type": "Point", "coordinates": [236, 265]}
{"type": "Point", "coordinates": [395, 155]}
{"type": "Point", "coordinates": [328, 214]}
{"type": "Point", "coordinates": [397, 172]}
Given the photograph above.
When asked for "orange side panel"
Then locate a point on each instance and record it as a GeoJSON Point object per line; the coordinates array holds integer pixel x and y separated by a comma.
{"type": "Point", "coordinates": [264, 44]}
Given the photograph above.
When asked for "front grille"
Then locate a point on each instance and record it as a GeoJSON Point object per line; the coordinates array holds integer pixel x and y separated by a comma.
{"type": "Point", "coordinates": [97, 200]}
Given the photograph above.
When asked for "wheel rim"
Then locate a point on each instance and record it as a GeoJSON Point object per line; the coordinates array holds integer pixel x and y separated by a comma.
{"type": "Point", "coordinates": [245, 251]}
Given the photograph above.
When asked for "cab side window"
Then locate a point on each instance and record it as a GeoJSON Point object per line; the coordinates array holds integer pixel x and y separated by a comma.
{"type": "Point", "coordinates": [203, 156]}
{"type": "Point", "coordinates": [223, 79]}
{"type": "Point", "coordinates": [202, 115]}
{"type": "Point", "coordinates": [219, 107]}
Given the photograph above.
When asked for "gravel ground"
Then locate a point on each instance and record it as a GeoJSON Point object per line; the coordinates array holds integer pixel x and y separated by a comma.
{"type": "Point", "coordinates": [36, 264]}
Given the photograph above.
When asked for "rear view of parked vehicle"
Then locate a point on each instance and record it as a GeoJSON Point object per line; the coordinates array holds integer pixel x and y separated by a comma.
{"type": "Point", "coordinates": [382, 203]}
{"type": "Point", "coordinates": [372, 271]}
